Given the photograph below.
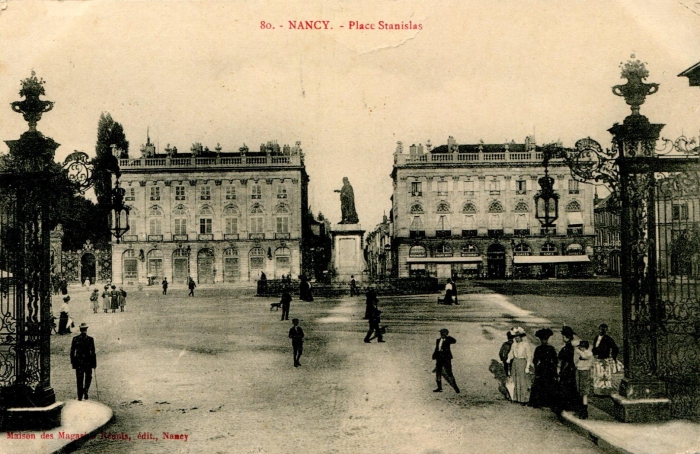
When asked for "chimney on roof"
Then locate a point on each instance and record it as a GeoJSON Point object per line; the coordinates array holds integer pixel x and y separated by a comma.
{"type": "Point", "coordinates": [451, 144]}
{"type": "Point", "coordinates": [428, 146]}
{"type": "Point", "coordinates": [399, 147]}
{"type": "Point", "coordinates": [412, 149]}
{"type": "Point", "coordinates": [420, 148]}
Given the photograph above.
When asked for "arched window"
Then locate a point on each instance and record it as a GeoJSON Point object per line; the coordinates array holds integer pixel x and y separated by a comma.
{"type": "Point", "coordinates": [573, 206]}
{"type": "Point", "coordinates": [522, 249]}
{"type": "Point", "coordinates": [256, 209]}
{"type": "Point", "coordinates": [282, 209]}
{"type": "Point", "coordinates": [443, 250]}
{"type": "Point", "coordinates": [131, 264]}
{"type": "Point", "coordinates": [230, 210]}
{"type": "Point", "coordinates": [521, 207]}
{"type": "Point", "coordinates": [443, 207]}
{"type": "Point", "coordinates": [417, 251]}
{"type": "Point", "coordinates": [416, 208]}
{"type": "Point", "coordinates": [469, 250]}
{"type": "Point", "coordinates": [495, 207]}
{"type": "Point", "coordinates": [469, 208]}
{"type": "Point", "coordinates": [155, 210]}
{"type": "Point", "coordinates": [549, 248]}
{"type": "Point", "coordinates": [180, 210]}
{"type": "Point", "coordinates": [206, 211]}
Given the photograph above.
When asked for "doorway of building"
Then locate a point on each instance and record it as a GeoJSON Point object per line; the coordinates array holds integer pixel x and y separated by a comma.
{"type": "Point", "coordinates": [180, 266]}
{"type": "Point", "coordinates": [257, 263]}
{"type": "Point", "coordinates": [231, 268]}
{"type": "Point", "coordinates": [205, 266]}
{"type": "Point", "coordinates": [88, 268]}
{"type": "Point", "coordinates": [444, 271]}
{"type": "Point", "coordinates": [496, 261]}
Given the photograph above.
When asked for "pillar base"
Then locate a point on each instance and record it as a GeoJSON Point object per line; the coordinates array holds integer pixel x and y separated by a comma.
{"type": "Point", "coordinates": [641, 401]}
{"type": "Point", "coordinates": [31, 418]}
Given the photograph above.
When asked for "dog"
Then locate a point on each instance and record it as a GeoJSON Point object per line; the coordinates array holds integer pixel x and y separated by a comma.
{"type": "Point", "coordinates": [276, 306]}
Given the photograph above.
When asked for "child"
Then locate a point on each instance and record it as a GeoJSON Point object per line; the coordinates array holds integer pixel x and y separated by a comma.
{"type": "Point", "coordinates": [584, 361]}
{"type": "Point", "coordinates": [95, 300]}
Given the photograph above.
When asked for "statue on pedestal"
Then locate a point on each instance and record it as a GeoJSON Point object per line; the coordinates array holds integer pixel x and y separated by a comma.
{"type": "Point", "coordinates": [347, 203]}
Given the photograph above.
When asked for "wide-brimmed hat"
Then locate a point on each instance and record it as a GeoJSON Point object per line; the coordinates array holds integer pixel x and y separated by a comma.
{"type": "Point", "coordinates": [66, 298]}
{"type": "Point", "coordinates": [444, 330]}
{"type": "Point", "coordinates": [567, 331]}
{"type": "Point", "coordinates": [83, 326]}
{"type": "Point", "coordinates": [544, 333]}
{"type": "Point", "coordinates": [95, 291]}
{"type": "Point", "coordinates": [518, 332]}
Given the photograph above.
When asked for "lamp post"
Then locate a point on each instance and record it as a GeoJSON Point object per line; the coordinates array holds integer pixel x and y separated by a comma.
{"type": "Point", "coordinates": [546, 199]}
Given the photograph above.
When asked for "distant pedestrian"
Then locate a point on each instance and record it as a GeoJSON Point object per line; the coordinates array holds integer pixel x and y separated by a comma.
{"type": "Point", "coordinates": [165, 285]}
{"type": "Point", "coordinates": [305, 289]}
{"type": "Point", "coordinates": [353, 287]}
{"type": "Point", "coordinates": [83, 360]}
{"type": "Point", "coordinates": [448, 292]}
{"type": "Point", "coordinates": [262, 283]}
{"type": "Point", "coordinates": [504, 351]}
{"type": "Point", "coordinates": [64, 286]}
{"type": "Point", "coordinates": [370, 302]}
{"type": "Point", "coordinates": [95, 299]}
{"type": "Point", "coordinates": [285, 301]}
{"type": "Point", "coordinates": [191, 285]}
{"type": "Point", "coordinates": [374, 321]}
{"type": "Point", "coordinates": [114, 298]}
{"type": "Point", "coordinates": [122, 299]}
{"type": "Point", "coordinates": [106, 298]}
{"type": "Point", "coordinates": [443, 360]}
{"type": "Point", "coordinates": [64, 316]}
{"type": "Point", "coordinates": [520, 358]}
{"type": "Point", "coordinates": [454, 292]}
{"type": "Point", "coordinates": [605, 352]}
{"type": "Point", "coordinates": [296, 334]}
{"type": "Point", "coordinates": [583, 358]}
{"type": "Point", "coordinates": [543, 392]}
{"type": "Point", "coordinates": [569, 397]}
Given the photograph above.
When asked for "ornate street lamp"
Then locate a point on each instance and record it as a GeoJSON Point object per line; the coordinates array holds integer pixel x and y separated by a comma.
{"type": "Point", "coordinates": [546, 200]}
{"type": "Point", "coordinates": [119, 229]}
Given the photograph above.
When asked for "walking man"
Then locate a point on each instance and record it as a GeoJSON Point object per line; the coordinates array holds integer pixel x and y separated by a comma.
{"type": "Point", "coordinates": [443, 361]}
{"type": "Point", "coordinates": [83, 360]}
{"type": "Point", "coordinates": [286, 300]}
{"type": "Point", "coordinates": [165, 286]}
{"type": "Point", "coordinates": [296, 334]}
{"type": "Point", "coordinates": [353, 287]}
{"type": "Point", "coordinates": [374, 320]}
{"type": "Point", "coordinates": [191, 285]}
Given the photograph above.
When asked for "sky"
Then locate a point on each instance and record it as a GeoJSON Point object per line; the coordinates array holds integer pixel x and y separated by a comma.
{"type": "Point", "coordinates": [210, 72]}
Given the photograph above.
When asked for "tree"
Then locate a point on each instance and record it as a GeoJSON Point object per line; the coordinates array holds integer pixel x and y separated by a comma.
{"type": "Point", "coordinates": [109, 134]}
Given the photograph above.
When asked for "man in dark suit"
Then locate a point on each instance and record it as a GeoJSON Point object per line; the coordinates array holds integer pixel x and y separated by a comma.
{"type": "Point", "coordinates": [443, 361]}
{"type": "Point", "coordinates": [604, 346]}
{"type": "Point", "coordinates": [83, 360]}
{"type": "Point", "coordinates": [374, 321]}
{"type": "Point", "coordinates": [297, 336]}
{"type": "Point", "coordinates": [286, 300]}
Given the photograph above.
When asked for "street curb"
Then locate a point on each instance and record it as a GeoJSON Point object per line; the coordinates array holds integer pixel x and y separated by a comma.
{"type": "Point", "coordinates": [570, 420]}
{"type": "Point", "coordinates": [75, 444]}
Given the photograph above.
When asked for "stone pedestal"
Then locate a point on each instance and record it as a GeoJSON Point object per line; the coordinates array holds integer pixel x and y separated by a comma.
{"type": "Point", "coordinates": [347, 253]}
{"type": "Point", "coordinates": [641, 401]}
{"type": "Point", "coordinates": [32, 418]}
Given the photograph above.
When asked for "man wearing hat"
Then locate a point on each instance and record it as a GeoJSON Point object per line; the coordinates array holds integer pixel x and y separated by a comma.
{"type": "Point", "coordinates": [83, 360]}
{"type": "Point", "coordinates": [296, 334]}
{"type": "Point", "coordinates": [443, 360]}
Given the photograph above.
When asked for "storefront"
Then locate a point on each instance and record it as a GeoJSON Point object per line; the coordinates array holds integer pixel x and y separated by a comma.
{"type": "Point", "coordinates": [445, 267]}
{"type": "Point", "coordinates": [559, 266]}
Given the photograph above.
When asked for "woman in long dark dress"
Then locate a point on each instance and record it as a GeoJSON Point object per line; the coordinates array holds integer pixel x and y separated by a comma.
{"type": "Point", "coordinates": [64, 316]}
{"type": "Point", "coordinates": [545, 385]}
{"type": "Point", "coordinates": [569, 397]}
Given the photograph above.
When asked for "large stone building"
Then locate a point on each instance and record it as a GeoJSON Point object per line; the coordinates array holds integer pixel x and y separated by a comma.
{"type": "Point", "coordinates": [215, 216]}
{"type": "Point", "coordinates": [607, 238]}
{"type": "Point", "coordinates": [469, 210]}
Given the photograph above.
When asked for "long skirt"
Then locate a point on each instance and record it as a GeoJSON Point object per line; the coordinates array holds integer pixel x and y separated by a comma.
{"type": "Point", "coordinates": [601, 373]}
{"type": "Point", "coordinates": [105, 302]}
{"type": "Point", "coordinates": [63, 324]}
{"type": "Point", "coordinates": [583, 382]}
{"type": "Point", "coordinates": [544, 391]}
{"type": "Point", "coordinates": [521, 380]}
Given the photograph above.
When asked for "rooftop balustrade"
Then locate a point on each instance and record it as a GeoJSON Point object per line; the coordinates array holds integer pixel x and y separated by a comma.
{"type": "Point", "coordinates": [199, 162]}
{"type": "Point", "coordinates": [490, 157]}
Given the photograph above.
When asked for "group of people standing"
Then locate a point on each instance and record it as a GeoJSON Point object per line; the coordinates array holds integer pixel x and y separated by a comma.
{"type": "Point", "coordinates": [560, 381]}
{"type": "Point", "coordinates": [112, 298]}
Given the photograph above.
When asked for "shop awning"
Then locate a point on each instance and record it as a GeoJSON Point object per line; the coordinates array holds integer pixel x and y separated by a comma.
{"type": "Point", "coordinates": [574, 218]}
{"type": "Point", "coordinates": [546, 259]}
{"type": "Point", "coordinates": [444, 259]}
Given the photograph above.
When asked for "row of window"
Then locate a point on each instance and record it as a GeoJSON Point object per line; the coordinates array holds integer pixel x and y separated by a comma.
{"type": "Point", "coordinates": [493, 186]}
{"type": "Point", "coordinates": [205, 193]}
{"type": "Point", "coordinates": [470, 250]}
{"type": "Point", "coordinates": [494, 207]}
{"type": "Point", "coordinates": [231, 225]}
{"type": "Point", "coordinates": [207, 210]}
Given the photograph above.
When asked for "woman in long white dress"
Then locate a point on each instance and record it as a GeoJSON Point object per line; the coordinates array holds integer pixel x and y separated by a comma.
{"type": "Point", "coordinates": [521, 368]}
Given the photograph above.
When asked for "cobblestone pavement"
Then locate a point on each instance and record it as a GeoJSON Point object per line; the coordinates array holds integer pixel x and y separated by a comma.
{"type": "Point", "coordinates": [216, 371]}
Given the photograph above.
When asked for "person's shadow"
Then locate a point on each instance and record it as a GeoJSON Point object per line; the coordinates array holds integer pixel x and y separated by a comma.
{"type": "Point", "coordinates": [496, 368]}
